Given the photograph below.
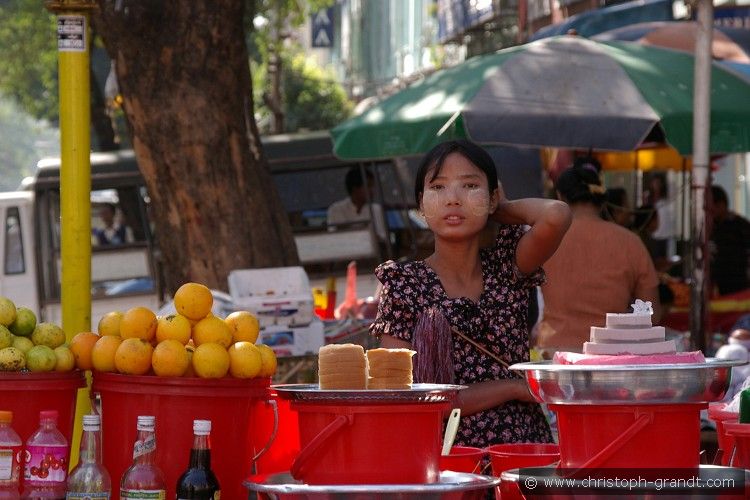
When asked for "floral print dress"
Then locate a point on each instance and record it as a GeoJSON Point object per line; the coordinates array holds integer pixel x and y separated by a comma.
{"type": "Point", "coordinates": [498, 322]}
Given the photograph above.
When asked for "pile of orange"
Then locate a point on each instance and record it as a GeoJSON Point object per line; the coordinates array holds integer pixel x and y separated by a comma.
{"type": "Point", "coordinates": [192, 342]}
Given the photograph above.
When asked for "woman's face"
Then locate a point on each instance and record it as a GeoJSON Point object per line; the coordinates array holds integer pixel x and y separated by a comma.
{"type": "Point", "coordinates": [457, 202]}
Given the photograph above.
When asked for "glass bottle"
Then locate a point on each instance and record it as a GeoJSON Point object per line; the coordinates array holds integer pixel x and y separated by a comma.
{"type": "Point", "coordinates": [10, 457]}
{"type": "Point", "coordinates": [90, 480]}
{"type": "Point", "coordinates": [46, 460]}
{"type": "Point", "coordinates": [144, 480]}
{"type": "Point", "coordinates": [198, 482]}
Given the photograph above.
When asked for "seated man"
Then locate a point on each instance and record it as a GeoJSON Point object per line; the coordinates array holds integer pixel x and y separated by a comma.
{"type": "Point", "coordinates": [112, 232]}
{"type": "Point", "coordinates": [355, 207]}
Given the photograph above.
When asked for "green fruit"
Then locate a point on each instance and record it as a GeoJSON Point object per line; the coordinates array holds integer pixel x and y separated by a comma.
{"type": "Point", "coordinates": [11, 360]}
{"type": "Point", "coordinates": [7, 311]}
{"type": "Point", "coordinates": [6, 338]}
{"type": "Point", "coordinates": [24, 323]}
{"type": "Point", "coordinates": [23, 344]}
{"type": "Point", "coordinates": [40, 358]}
{"type": "Point", "coordinates": [48, 334]}
{"type": "Point", "coordinates": [65, 359]}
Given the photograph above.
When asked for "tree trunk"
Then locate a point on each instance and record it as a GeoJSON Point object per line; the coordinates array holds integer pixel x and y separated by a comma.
{"type": "Point", "coordinates": [183, 73]}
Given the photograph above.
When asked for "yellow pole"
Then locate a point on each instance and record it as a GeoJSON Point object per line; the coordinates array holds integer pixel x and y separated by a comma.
{"type": "Point", "coordinates": [73, 43]}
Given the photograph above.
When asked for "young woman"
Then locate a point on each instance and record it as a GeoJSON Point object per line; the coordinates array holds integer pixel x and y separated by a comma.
{"type": "Point", "coordinates": [482, 293]}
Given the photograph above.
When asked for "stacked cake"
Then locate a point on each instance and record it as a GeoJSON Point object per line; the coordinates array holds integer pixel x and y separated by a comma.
{"type": "Point", "coordinates": [389, 368]}
{"type": "Point", "coordinates": [342, 366]}
{"type": "Point", "coordinates": [629, 338]}
{"type": "Point", "coordinates": [345, 366]}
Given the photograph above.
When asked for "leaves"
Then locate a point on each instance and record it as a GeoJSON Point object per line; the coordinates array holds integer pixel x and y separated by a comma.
{"type": "Point", "coordinates": [28, 68]}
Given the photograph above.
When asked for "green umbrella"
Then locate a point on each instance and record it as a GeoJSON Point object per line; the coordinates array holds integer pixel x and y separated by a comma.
{"type": "Point", "coordinates": [563, 91]}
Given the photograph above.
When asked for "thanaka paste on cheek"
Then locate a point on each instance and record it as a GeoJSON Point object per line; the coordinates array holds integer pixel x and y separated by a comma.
{"type": "Point", "coordinates": [430, 204]}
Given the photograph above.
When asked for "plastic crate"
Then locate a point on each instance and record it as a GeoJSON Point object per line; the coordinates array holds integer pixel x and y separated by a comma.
{"type": "Point", "coordinates": [276, 295]}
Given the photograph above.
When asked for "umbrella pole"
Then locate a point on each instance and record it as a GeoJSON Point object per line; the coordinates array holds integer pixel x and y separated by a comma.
{"type": "Point", "coordinates": [699, 319]}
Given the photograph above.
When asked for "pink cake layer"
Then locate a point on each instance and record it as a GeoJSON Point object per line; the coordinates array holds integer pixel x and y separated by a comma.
{"type": "Point", "coordinates": [574, 358]}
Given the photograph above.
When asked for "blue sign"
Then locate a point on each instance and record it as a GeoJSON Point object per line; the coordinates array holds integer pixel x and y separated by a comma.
{"type": "Point", "coordinates": [456, 17]}
{"type": "Point", "coordinates": [733, 17]}
{"type": "Point", "coordinates": [322, 28]}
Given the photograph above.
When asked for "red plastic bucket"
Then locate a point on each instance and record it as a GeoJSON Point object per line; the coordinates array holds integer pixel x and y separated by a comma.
{"type": "Point", "coordinates": [369, 443]}
{"type": "Point", "coordinates": [739, 454]}
{"type": "Point", "coordinates": [26, 394]}
{"type": "Point", "coordinates": [726, 441]}
{"type": "Point", "coordinates": [615, 436]}
{"type": "Point", "coordinates": [463, 459]}
{"type": "Point", "coordinates": [518, 455]}
{"type": "Point", "coordinates": [176, 402]}
{"type": "Point", "coordinates": [285, 445]}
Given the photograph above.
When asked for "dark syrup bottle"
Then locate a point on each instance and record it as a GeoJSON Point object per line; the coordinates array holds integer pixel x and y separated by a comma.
{"type": "Point", "coordinates": [198, 482]}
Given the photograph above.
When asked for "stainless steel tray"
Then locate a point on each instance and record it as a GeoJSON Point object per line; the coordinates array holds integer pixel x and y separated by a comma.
{"type": "Point", "coordinates": [419, 393]}
{"type": "Point", "coordinates": [452, 485]}
{"type": "Point", "coordinates": [628, 384]}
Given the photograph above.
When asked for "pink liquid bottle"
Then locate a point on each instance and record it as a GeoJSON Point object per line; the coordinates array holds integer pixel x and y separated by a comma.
{"type": "Point", "coordinates": [10, 457]}
{"type": "Point", "coordinates": [46, 461]}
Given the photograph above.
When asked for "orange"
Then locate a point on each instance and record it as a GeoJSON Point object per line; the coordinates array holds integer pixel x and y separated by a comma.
{"type": "Point", "coordinates": [269, 361]}
{"type": "Point", "coordinates": [244, 326]}
{"type": "Point", "coordinates": [212, 329]}
{"type": "Point", "coordinates": [170, 359]}
{"type": "Point", "coordinates": [210, 360]}
{"type": "Point", "coordinates": [139, 323]}
{"type": "Point", "coordinates": [193, 300]}
{"type": "Point", "coordinates": [133, 357]}
{"type": "Point", "coordinates": [81, 346]}
{"type": "Point", "coordinates": [103, 355]}
{"type": "Point", "coordinates": [244, 360]}
{"type": "Point", "coordinates": [110, 323]}
{"type": "Point", "coordinates": [174, 326]}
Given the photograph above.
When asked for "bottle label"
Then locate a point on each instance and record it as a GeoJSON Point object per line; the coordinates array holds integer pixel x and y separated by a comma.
{"type": "Point", "coordinates": [9, 462]}
{"type": "Point", "coordinates": [143, 495]}
{"type": "Point", "coordinates": [46, 464]}
{"type": "Point", "coordinates": [87, 496]}
{"type": "Point", "coordinates": [146, 446]}
{"type": "Point", "coordinates": [216, 496]}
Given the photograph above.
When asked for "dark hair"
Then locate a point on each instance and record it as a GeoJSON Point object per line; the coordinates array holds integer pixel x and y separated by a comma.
{"type": "Point", "coordinates": [718, 195]}
{"type": "Point", "coordinates": [617, 197]}
{"type": "Point", "coordinates": [436, 157]}
{"type": "Point", "coordinates": [581, 184]}
{"type": "Point", "coordinates": [111, 206]}
{"type": "Point", "coordinates": [354, 178]}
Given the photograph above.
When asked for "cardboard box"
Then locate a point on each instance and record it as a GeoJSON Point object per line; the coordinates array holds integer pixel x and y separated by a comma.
{"type": "Point", "coordinates": [276, 295]}
{"type": "Point", "coordinates": [294, 341]}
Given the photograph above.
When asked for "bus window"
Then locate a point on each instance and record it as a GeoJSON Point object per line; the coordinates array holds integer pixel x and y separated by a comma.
{"type": "Point", "coordinates": [14, 260]}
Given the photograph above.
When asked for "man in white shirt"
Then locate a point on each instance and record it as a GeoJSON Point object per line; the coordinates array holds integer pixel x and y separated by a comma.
{"type": "Point", "coordinates": [355, 207]}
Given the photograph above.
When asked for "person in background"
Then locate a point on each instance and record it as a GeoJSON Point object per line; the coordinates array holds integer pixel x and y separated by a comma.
{"type": "Point", "coordinates": [356, 207]}
{"type": "Point", "coordinates": [729, 246]}
{"type": "Point", "coordinates": [599, 268]}
{"type": "Point", "coordinates": [656, 196]}
{"type": "Point", "coordinates": [737, 349]}
{"type": "Point", "coordinates": [112, 231]}
{"type": "Point", "coordinates": [464, 309]}
{"type": "Point", "coordinates": [617, 208]}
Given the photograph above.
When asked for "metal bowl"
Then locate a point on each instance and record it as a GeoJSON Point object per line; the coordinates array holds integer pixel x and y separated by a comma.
{"type": "Point", "coordinates": [452, 485]}
{"type": "Point", "coordinates": [419, 393]}
{"type": "Point", "coordinates": [628, 384]}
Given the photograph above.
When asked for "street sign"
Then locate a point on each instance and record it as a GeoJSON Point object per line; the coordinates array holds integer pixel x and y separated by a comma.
{"type": "Point", "coordinates": [71, 33]}
{"type": "Point", "coordinates": [322, 28]}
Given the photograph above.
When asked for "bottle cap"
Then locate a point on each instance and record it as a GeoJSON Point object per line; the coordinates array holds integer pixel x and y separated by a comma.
{"type": "Point", "coordinates": [745, 407]}
{"type": "Point", "coordinates": [91, 422]}
{"type": "Point", "coordinates": [146, 422]}
{"type": "Point", "coordinates": [48, 415]}
{"type": "Point", "coordinates": [202, 427]}
{"type": "Point", "coordinates": [6, 416]}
